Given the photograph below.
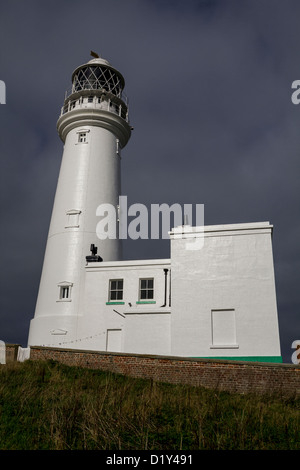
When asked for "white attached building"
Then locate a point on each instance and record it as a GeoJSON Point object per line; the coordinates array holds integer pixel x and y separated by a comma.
{"type": "Point", "coordinates": [214, 297]}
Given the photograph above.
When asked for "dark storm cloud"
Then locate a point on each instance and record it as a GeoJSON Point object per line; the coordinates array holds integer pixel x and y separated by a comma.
{"type": "Point", "coordinates": [209, 86]}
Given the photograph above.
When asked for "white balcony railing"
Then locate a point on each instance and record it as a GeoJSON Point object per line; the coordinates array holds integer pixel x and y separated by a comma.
{"type": "Point", "coordinates": [96, 102]}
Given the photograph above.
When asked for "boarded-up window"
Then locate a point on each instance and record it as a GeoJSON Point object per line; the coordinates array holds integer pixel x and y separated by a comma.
{"type": "Point", "coordinates": [223, 327]}
{"type": "Point", "coordinates": [72, 218]}
{"type": "Point", "coordinates": [114, 340]}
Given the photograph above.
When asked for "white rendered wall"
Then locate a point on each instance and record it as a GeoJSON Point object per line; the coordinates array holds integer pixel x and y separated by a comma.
{"type": "Point", "coordinates": [89, 176]}
{"type": "Point", "coordinates": [143, 328]}
{"type": "Point", "coordinates": [224, 293]}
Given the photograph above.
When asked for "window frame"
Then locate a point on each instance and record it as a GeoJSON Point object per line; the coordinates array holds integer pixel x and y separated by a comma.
{"type": "Point", "coordinates": [146, 289]}
{"type": "Point", "coordinates": [72, 218]}
{"type": "Point", "coordinates": [82, 137]}
{"type": "Point", "coordinates": [80, 133]}
{"type": "Point", "coordinates": [64, 287]}
{"type": "Point", "coordinates": [117, 290]}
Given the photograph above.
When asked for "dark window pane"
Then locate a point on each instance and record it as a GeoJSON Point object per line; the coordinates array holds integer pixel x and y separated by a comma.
{"type": "Point", "coordinates": [64, 292]}
{"type": "Point", "coordinates": [113, 295]}
{"type": "Point", "coordinates": [150, 294]}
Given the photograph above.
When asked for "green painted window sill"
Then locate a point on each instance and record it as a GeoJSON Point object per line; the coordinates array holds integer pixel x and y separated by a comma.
{"type": "Point", "coordinates": [146, 302]}
{"type": "Point", "coordinates": [115, 303]}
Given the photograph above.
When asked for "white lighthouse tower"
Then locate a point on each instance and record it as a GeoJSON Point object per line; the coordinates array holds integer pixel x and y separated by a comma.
{"type": "Point", "coordinates": [94, 127]}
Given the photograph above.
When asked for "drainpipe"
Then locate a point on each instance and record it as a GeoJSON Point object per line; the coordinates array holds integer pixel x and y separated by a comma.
{"type": "Point", "coordinates": [166, 274]}
{"type": "Point", "coordinates": [170, 290]}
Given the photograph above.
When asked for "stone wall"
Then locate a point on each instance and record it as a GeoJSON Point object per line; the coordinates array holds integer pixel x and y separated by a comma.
{"type": "Point", "coordinates": [232, 376]}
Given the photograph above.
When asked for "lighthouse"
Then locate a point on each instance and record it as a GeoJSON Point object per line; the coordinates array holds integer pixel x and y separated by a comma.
{"type": "Point", "coordinates": [215, 297]}
{"type": "Point", "coordinates": [94, 128]}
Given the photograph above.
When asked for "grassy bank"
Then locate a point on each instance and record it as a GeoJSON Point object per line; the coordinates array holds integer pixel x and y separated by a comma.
{"type": "Point", "coordinates": [44, 405]}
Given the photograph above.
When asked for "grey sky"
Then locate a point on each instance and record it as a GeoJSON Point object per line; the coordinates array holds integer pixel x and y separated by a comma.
{"type": "Point", "coordinates": [209, 87]}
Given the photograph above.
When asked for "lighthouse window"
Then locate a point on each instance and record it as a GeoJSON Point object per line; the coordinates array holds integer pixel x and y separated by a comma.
{"type": "Point", "coordinates": [65, 291]}
{"type": "Point", "coordinates": [146, 289]}
{"type": "Point", "coordinates": [116, 289]}
{"type": "Point", "coordinates": [82, 137]}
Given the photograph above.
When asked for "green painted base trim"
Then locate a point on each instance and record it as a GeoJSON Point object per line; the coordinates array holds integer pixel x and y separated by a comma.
{"type": "Point", "coordinates": [115, 303]}
{"type": "Point", "coordinates": [277, 359]}
{"type": "Point", "coordinates": [146, 302]}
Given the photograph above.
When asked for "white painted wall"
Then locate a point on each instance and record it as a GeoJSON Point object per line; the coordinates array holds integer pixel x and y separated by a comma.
{"type": "Point", "coordinates": [229, 281]}
{"type": "Point", "coordinates": [145, 327]}
{"type": "Point", "coordinates": [223, 300]}
{"type": "Point", "coordinates": [148, 332]}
